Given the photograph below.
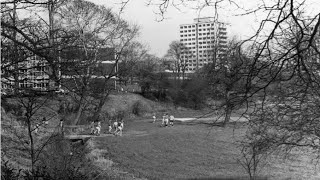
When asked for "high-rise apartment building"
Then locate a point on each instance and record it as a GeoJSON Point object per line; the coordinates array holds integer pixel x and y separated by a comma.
{"type": "Point", "coordinates": [204, 42]}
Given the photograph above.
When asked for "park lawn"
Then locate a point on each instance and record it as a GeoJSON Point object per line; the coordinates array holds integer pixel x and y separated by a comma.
{"type": "Point", "coordinates": [190, 150]}
{"type": "Point", "coordinates": [182, 151]}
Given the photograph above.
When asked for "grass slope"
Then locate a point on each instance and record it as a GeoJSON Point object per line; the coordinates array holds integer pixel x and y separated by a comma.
{"type": "Point", "coordinates": [187, 151]}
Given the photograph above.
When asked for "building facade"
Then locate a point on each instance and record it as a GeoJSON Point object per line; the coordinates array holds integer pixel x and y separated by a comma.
{"type": "Point", "coordinates": [33, 73]}
{"type": "Point", "coordinates": [204, 41]}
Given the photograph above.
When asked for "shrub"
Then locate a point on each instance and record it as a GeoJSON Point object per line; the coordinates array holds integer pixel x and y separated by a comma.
{"type": "Point", "coordinates": [8, 172]}
{"type": "Point", "coordinates": [136, 108]}
{"type": "Point", "coordinates": [139, 108]}
{"type": "Point", "coordinates": [65, 160]}
{"type": "Point", "coordinates": [120, 115]}
{"type": "Point", "coordinates": [16, 109]}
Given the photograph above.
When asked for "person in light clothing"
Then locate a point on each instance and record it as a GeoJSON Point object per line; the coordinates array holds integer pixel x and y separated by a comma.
{"type": "Point", "coordinates": [36, 128]}
{"type": "Point", "coordinates": [154, 117]}
{"type": "Point", "coordinates": [98, 129]}
{"type": "Point", "coordinates": [119, 128]}
{"type": "Point", "coordinates": [171, 119]}
{"type": "Point", "coordinates": [165, 119]}
{"type": "Point", "coordinates": [110, 127]}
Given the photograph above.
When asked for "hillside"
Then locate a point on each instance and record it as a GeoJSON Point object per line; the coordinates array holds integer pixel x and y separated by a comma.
{"type": "Point", "coordinates": [146, 150]}
{"type": "Point", "coordinates": [14, 139]}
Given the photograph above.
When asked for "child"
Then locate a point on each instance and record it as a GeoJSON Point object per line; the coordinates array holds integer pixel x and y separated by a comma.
{"type": "Point", "coordinates": [92, 128]}
{"type": "Point", "coordinates": [154, 117]}
{"type": "Point", "coordinates": [109, 127]}
{"type": "Point", "coordinates": [98, 128]}
{"type": "Point", "coordinates": [171, 118]}
{"type": "Point", "coordinates": [37, 128]}
{"type": "Point", "coordinates": [165, 119]}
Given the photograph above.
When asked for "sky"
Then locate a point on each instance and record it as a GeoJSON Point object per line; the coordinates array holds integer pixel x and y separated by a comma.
{"type": "Point", "coordinates": [157, 35]}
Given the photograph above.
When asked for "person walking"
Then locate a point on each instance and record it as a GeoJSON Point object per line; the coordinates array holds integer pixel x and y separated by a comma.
{"type": "Point", "coordinates": [92, 126]}
{"type": "Point", "coordinates": [110, 127]}
{"type": "Point", "coordinates": [171, 119]}
{"type": "Point", "coordinates": [154, 117]}
{"type": "Point", "coordinates": [165, 119]}
{"type": "Point", "coordinates": [98, 128]}
{"type": "Point", "coordinates": [61, 125]}
{"type": "Point", "coordinates": [37, 128]}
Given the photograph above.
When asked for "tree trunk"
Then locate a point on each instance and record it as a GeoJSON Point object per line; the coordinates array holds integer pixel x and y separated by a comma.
{"type": "Point", "coordinates": [79, 112]}
{"type": "Point", "coordinates": [15, 54]}
{"type": "Point", "coordinates": [81, 108]}
{"type": "Point", "coordinates": [99, 108]}
{"type": "Point", "coordinates": [32, 155]}
{"type": "Point", "coordinates": [228, 109]}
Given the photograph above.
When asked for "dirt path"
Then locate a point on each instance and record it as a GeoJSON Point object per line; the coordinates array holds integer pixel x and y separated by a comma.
{"type": "Point", "coordinates": [213, 119]}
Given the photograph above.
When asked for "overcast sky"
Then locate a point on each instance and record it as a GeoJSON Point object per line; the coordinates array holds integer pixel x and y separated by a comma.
{"type": "Point", "coordinates": [158, 34]}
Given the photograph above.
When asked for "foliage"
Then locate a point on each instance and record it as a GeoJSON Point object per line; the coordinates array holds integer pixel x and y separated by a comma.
{"type": "Point", "coordinates": [16, 109]}
{"type": "Point", "coordinates": [188, 93]}
{"type": "Point", "coordinates": [137, 108]}
{"type": "Point", "coordinates": [8, 172]}
{"type": "Point", "coordinates": [61, 160]}
{"type": "Point", "coordinates": [66, 160]}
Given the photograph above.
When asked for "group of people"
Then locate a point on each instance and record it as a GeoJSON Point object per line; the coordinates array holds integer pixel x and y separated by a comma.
{"type": "Point", "coordinates": [117, 126]}
{"type": "Point", "coordinates": [95, 129]}
{"type": "Point", "coordinates": [166, 119]}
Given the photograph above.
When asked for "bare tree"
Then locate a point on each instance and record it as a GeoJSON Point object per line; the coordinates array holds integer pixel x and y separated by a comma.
{"type": "Point", "coordinates": [33, 33]}
{"type": "Point", "coordinates": [227, 78]}
{"type": "Point", "coordinates": [281, 88]}
{"type": "Point", "coordinates": [32, 135]}
{"type": "Point", "coordinates": [285, 50]}
{"type": "Point", "coordinates": [147, 73]}
{"type": "Point", "coordinates": [131, 56]}
{"type": "Point", "coordinates": [97, 28]}
{"type": "Point", "coordinates": [176, 54]}
{"type": "Point", "coordinates": [285, 77]}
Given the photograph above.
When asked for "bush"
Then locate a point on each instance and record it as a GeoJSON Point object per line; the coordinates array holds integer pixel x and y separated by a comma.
{"type": "Point", "coordinates": [66, 107]}
{"type": "Point", "coordinates": [65, 160]}
{"type": "Point", "coordinates": [16, 109]}
{"type": "Point", "coordinates": [188, 93]}
{"type": "Point", "coordinates": [40, 173]}
{"type": "Point", "coordinates": [8, 172]}
{"type": "Point", "coordinates": [139, 108]}
{"type": "Point", "coordinates": [120, 115]}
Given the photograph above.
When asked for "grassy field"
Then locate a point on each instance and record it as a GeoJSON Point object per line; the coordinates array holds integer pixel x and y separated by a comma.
{"type": "Point", "coordinates": [187, 151]}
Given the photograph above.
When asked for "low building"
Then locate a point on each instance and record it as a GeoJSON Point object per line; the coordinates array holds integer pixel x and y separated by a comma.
{"type": "Point", "coordinates": [32, 73]}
